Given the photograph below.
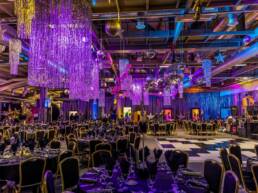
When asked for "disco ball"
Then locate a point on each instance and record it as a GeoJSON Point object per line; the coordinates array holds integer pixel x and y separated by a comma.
{"type": "Point", "coordinates": [113, 28]}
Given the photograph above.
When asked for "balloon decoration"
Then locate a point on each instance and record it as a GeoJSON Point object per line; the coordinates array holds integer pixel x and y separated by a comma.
{"type": "Point", "coordinates": [25, 11]}
{"type": "Point", "coordinates": [113, 28]}
{"type": "Point", "coordinates": [206, 66]}
{"type": "Point", "coordinates": [14, 55]}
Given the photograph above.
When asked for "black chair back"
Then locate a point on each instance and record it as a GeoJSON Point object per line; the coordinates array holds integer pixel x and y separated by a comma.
{"type": "Point", "coordinates": [235, 166]}
{"type": "Point", "coordinates": [256, 150]}
{"type": "Point", "coordinates": [213, 173]}
{"type": "Point", "coordinates": [230, 183]}
{"type": "Point", "coordinates": [103, 146]}
{"type": "Point", "coordinates": [48, 183]}
{"type": "Point", "coordinates": [69, 170]}
{"type": "Point", "coordinates": [93, 144]}
{"type": "Point", "coordinates": [137, 142]}
{"type": "Point", "coordinates": [31, 172]}
{"type": "Point", "coordinates": [224, 159]}
{"type": "Point", "coordinates": [178, 159]}
{"type": "Point", "coordinates": [55, 144]}
{"type": "Point", "coordinates": [100, 157]}
{"type": "Point", "coordinates": [132, 136]}
{"type": "Point", "coordinates": [122, 146]}
{"type": "Point", "coordinates": [51, 134]}
{"type": "Point", "coordinates": [236, 150]}
{"type": "Point", "coordinates": [255, 175]}
{"type": "Point", "coordinates": [64, 155]}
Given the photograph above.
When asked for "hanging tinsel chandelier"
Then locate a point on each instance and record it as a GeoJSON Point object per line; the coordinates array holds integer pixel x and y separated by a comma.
{"type": "Point", "coordinates": [14, 55]}
{"type": "Point", "coordinates": [25, 11]}
{"type": "Point", "coordinates": [61, 38]}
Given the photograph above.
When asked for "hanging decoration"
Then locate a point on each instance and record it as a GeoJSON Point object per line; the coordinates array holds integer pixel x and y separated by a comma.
{"type": "Point", "coordinates": [95, 82]}
{"type": "Point", "coordinates": [197, 8]}
{"type": "Point", "coordinates": [25, 11]}
{"type": "Point", "coordinates": [206, 66]}
{"type": "Point", "coordinates": [173, 91]}
{"type": "Point", "coordinates": [166, 97]}
{"type": "Point", "coordinates": [102, 98]}
{"type": "Point", "coordinates": [181, 89]}
{"type": "Point", "coordinates": [2, 48]}
{"type": "Point", "coordinates": [219, 57]}
{"type": "Point", "coordinates": [146, 98]}
{"type": "Point", "coordinates": [137, 92]}
{"type": "Point", "coordinates": [60, 51]}
{"type": "Point", "coordinates": [14, 55]}
{"type": "Point", "coordinates": [125, 77]}
{"type": "Point", "coordinates": [2, 32]}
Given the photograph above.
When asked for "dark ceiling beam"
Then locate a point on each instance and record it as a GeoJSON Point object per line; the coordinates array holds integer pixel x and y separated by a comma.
{"type": "Point", "coordinates": [160, 12]}
{"type": "Point", "coordinates": [231, 43]}
{"type": "Point", "coordinates": [176, 33]}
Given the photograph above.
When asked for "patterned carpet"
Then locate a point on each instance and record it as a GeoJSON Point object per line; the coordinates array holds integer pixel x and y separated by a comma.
{"type": "Point", "coordinates": [202, 149]}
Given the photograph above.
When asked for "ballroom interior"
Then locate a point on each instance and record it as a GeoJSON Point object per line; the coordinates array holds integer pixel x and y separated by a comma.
{"type": "Point", "coordinates": [129, 96]}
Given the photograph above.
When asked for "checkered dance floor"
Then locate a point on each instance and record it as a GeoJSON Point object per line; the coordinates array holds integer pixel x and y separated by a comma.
{"type": "Point", "coordinates": [202, 149]}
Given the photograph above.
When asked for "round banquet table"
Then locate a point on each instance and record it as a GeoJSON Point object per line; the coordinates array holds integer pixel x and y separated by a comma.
{"type": "Point", "coordinates": [93, 181]}
{"type": "Point", "coordinates": [9, 167]}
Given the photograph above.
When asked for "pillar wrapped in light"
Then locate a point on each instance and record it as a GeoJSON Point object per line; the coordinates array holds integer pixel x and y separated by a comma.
{"type": "Point", "coordinates": [25, 11]}
{"type": "Point", "coordinates": [206, 66]}
{"type": "Point", "coordinates": [14, 55]}
{"type": "Point", "coordinates": [60, 52]}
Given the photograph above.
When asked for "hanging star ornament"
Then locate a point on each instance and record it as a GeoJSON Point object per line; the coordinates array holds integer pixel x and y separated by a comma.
{"type": "Point", "coordinates": [219, 58]}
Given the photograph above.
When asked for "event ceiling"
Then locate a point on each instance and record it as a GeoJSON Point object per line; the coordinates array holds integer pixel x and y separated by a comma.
{"type": "Point", "coordinates": [158, 35]}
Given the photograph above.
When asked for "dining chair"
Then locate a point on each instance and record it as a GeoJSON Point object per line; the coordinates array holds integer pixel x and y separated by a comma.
{"type": "Point", "coordinates": [224, 158]}
{"type": "Point", "coordinates": [122, 146]}
{"type": "Point", "coordinates": [51, 134]}
{"type": "Point", "coordinates": [230, 183]}
{"type": "Point", "coordinates": [256, 150]}
{"type": "Point", "coordinates": [254, 169]}
{"type": "Point", "coordinates": [55, 144]}
{"type": "Point", "coordinates": [69, 171]}
{"type": "Point", "coordinates": [103, 146]}
{"type": "Point", "coordinates": [236, 150]}
{"type": "Point", "coordinates": [247, 182]}
{"type": "Point", "coordinates": [64, 154]}
{"type": "Point", "coordinates": [72, 146]}
{"type": "Point", "coordinates": [48, 185]}
{"type": "Point", "coordinates": [213, 173]}
{"type": "Point", "coordinates": [100, 157]}
{"type": "Point", "coordinates": [177, 160]}
{"type": "Point", "coordinates": [31, 173]}
{"type": "Point", "coordinates": [93, 144]}
{"type": "Point", "coordinates": [132, 136]}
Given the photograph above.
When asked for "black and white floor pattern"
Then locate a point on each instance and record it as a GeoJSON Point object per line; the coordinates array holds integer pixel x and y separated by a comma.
{"type": "Point", "coordinates": [202, 149]}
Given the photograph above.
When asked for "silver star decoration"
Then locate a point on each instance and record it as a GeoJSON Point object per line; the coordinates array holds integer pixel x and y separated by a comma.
{"type": "Point", "coordinates": [220, 57]}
